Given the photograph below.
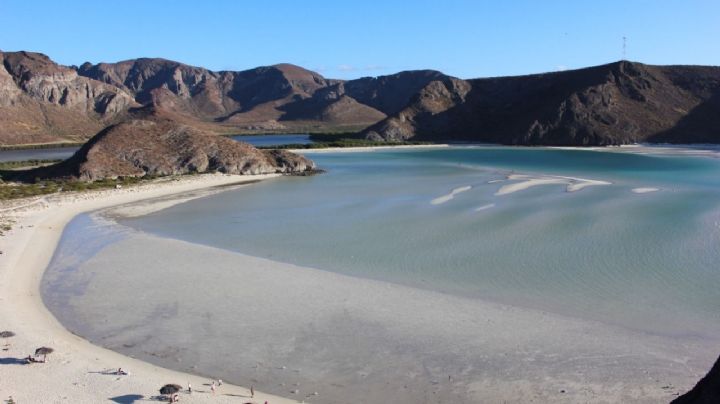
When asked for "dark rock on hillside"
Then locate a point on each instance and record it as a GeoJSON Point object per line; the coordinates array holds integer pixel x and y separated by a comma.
{"type": "Point", "coordinates": [157, 147]}
{"type": "Point", "coordinates": [707, 391]}
{"type": "Point", "coordinates": [391, 93]}
{"type": "Point", "coordinates": [618, 103]}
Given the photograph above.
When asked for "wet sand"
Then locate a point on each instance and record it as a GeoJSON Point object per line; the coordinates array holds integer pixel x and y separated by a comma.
{"type": "Point", "coordinates": [295, 331]}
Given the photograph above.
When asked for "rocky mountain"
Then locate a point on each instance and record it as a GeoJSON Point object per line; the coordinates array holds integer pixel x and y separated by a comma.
{"type": "Point", "coordinates": [623, 102]}
{"type": "Point", "coordinates": [156, 147]}
{"type": "Point", "coordinates": [618, 103]}
{"type": "Point", "coordinates": [41, 101]}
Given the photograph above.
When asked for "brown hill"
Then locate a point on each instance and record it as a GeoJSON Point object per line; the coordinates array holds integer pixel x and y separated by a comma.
{"type": "Point", "coordinates": [622, 102]}
{"type": "Point", "coordinates": [618, 103]}
{"type": "Point", "coordinates": [141, 147]}
{"type": "Point", "coordinates": [43, 102]}
{"type": "Point", "coordinates": [265, 98]}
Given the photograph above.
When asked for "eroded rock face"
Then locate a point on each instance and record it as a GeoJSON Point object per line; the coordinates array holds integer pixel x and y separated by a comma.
{"type": "Point", "coordinates": [160, 147]}
{"type": "Point", "coordinates": [707, 391]}
{"type": "Point", "coordinates": [623, 102]}
{"type": "Point", "coordinates": [41, 101]}
{"type": "Point", "coordinates": [618, 103]}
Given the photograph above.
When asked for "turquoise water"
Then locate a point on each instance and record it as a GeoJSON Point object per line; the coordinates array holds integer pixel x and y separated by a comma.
{"type": "Point", "coordinates": [645, 261]}
{"type": "Point", "coordinates": [54, 153]}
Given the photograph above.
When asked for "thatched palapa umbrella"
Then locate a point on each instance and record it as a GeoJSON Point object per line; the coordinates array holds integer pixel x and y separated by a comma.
{"type": "Point", "coordinates": [44, 351]}
{"type": "Point", "coordinates": [170, 389]}
{"type": "Point", "coordinates": [7, 334]}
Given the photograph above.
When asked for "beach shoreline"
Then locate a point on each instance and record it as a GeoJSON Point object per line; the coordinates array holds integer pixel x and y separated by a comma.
{"type": "Point", "coordinates": [555, 353]}
{"type": "Point", "coordinates": [79, 371]}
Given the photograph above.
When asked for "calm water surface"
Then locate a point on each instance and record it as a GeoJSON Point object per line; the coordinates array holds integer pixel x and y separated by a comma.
{"type": "Point", "coordinates": [604, 252]}
{"type": "Point", "coordinates": [65, 152]}
{"type": "Point", "coordinates": [436, 220]}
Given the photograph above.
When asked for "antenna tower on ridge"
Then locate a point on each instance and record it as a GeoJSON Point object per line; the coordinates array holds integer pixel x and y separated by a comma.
{"type": "Point", "coordinates": [624, 47]}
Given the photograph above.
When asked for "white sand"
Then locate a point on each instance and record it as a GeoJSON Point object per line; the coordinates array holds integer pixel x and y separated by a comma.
{"type": "Point", "coordinates": [74, 373]}
{"type": "Point", "coordinates": [448, 197]}
{"type": "Point", "coordinates": [644, 190]}
{"type": "Point", "coordinates": [573, 184]}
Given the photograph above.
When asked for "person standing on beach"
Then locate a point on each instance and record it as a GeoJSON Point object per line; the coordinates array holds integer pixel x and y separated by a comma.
{"type": "Point", "coordinates": [212, 387]}
{"type": "Point", "coordinates": [252, 391]}
{"type": "Point", "coordinates": [189, 388]}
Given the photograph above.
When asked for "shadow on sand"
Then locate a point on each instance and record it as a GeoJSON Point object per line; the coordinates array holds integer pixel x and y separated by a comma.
{"type": "Point", "coordinates": [13, 361]}
{"type": "Point", "coordinates": [127, 399]}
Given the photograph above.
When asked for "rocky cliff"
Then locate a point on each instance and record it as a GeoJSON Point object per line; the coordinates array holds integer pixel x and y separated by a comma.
{"type": "Point", "coordinates": [618, 103]}
{"type": "Point", "coordinates": [139, 147]}
{"type": "Point", "coordinates": [707, 391]}
{"type": "Point", "coordinates": [41, 101]}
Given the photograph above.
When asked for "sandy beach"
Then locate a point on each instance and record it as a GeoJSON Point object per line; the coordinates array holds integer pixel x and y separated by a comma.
{"type": "Point", "coordinates": [78, 371]}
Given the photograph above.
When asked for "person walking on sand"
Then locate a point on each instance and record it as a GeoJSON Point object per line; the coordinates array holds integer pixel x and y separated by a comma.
{"type": "Point", "coordinates": [212, 387]}
{"type": "Point", "coordinates": [252, 391]}
{"type": "Point", "coordinates": [219, 382]}
{"type": "Point", "coordinates": [189, 388]}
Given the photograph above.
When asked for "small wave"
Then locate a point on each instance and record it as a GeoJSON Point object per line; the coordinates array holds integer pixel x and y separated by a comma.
{"type": "Point", "coordinates": [644, 190]}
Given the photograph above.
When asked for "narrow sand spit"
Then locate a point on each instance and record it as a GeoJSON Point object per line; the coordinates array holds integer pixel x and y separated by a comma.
{"type": "Point", "coordinates": [79, 372]}
{"type": "Point", "coordinates": [445, 198]}
{"type": "Point", "coordinates": [528, 181]}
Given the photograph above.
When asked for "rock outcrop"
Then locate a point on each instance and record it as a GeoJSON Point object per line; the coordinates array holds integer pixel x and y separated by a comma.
{"type": "Point", "coordinates": [618, 103]}
{"type": "Point", "coordinates": [41, 101]}
{"type": "Point", "coordinates": [158, 147]}
{"type": "Point", "coordinates": [707, 391]}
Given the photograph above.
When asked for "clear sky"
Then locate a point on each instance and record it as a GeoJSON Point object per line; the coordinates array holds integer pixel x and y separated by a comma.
{"type": "Point", "coordinates": [348, 39]}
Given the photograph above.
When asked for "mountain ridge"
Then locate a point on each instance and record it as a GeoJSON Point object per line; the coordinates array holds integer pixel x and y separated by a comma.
{"type": "Point", "coordinates": [617, 103]}
{"type": "Point", "coordinates": [621, 102]}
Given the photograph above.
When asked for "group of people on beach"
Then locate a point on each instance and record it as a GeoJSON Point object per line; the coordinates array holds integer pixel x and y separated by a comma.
{"type": "Point", "coordinates": [214, 386]}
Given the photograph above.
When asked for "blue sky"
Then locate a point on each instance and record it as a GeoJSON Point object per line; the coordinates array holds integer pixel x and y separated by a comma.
{"type": "Point", "coordinates": [348, 39]}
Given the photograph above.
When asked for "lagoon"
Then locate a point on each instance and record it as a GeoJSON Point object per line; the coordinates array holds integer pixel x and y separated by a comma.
{"type": "Point", "coordinates": [475, 264]}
